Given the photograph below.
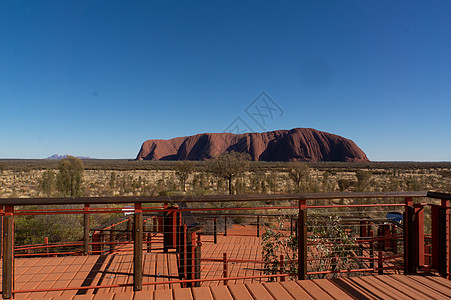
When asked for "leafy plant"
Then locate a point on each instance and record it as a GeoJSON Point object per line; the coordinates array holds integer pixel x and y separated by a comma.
{"type": "Point", "coordinates": [332, 248]}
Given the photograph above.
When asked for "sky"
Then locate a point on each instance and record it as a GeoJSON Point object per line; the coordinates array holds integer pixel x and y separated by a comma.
{"type": "Point", "coordinates": [98, 78]}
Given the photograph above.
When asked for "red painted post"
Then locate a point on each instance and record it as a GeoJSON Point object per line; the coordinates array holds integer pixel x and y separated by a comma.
{"type": "Point", "coordinates": [225, 225]}
{"type": "Point", "coordinates": [46, 242]}
{"type": "Point", "coordinates": [86, 229]}
{"type": "Point", "coordinates": [419, 235]}
{"type": "Point", "coordinates": [174, 228]}
{"type": "Point", "coordinates": [394, 241]}
{"type": "Point", "coordinates": [281, 262]}
{"type": "Point", "coordinates": [160, 224]}
{"type": "Point", "coordinates": [197, 259]}
{"type": "Point", "coordinates": [224, 267]}
{"type": "Point", "coordinates": [8, 252]}
{"type": "Point", "coordinates": [411, 257]}
{"type": "Point", "coordinates": [215, 229]}
{"type": "Point", "coordinates": [138, 248]}
{"type": "Point", "coordinates": [371, 246]}
{"type": "Point", "coordinates": [95, 245]}
{"type": "Point", "coordinates": [363, 234]}
{"type": "Point", "coordinates": [302, 240]}
{"type": "Point", "coordinates": [408, 244]}
{"type": "Point", "coordinates": [1, 238]}
{"type": "Point", "coordinates": [380, 246]}
{"type": "Point", "coordinates": [445, 258]}
{"type": "Point", "coordinates": [435, 229]}
{"type": "Point", "coordinates": [185, 252]}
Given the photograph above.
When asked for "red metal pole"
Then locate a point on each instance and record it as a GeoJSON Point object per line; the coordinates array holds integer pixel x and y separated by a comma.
{"type": "Point", "coordinates": [419, 234]}
{"type": "Point", "coordinates": [407, 227]}
{"type": "Point", "coordinates": [8, 252]}
{"type": "Point", "coordinates": [46, 242]}
{"type": "Point", "coordinates": [445, 209]}
{"type": "Point", "coordinates": [86, 230]}
{"type": "Point", "coordinates": [302, 240]}
{"type": "Point", "coordinates": [224, 267]}
{"type": "Point", "coordinates": [138, 248]}
{"type": "Point", "coordinates": [281, 267]}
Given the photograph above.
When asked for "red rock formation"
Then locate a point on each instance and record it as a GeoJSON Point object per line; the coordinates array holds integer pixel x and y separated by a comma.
{"type": "Point", "coordinates": [299, 144]}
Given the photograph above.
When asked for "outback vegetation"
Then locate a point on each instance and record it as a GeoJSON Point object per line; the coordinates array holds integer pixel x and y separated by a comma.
{"type": "Point", "coordinates": [39, 178]}
{"type": "Point", "coordinates": [228, 174]}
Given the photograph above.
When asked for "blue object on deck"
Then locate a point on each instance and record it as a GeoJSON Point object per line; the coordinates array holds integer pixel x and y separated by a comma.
{"type": "Point", "coordinates": [394, 216]}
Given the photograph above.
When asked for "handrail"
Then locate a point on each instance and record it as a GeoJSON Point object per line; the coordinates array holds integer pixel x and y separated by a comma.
{"type": "Point", "coordinates": [436, 195]}
{"type": "Point", "coordinates": [209, 198]}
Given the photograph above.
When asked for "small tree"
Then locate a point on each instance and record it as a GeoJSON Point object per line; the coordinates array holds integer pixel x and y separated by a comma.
{"type": "Point", "coordinates": [298, 171]}
{"type": "Point", "coordinates": [70, 177]}
{"type": "Point", "coordinates": [363, 179]}
{"type": "Point", "coordinates": [182, 171]}
{"type": "Point", "coordinates": [47, 183]}
{"type": "Point", "coordinates": [343, 184]}
{"type": "Point", "coordinates": [230, 165]}
{"type": "Point", "coordinates": [113, 178]}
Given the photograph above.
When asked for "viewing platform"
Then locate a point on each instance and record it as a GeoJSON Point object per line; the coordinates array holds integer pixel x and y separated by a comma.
{"type": "Point", "coordinates": [213, 247]}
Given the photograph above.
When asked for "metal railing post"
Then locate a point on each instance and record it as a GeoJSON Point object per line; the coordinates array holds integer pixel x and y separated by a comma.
{"type": "Point", "coordinates": [444, 237]}
{"type": "Point", "coordinates": [198, 260]}
{"type": "Point", "coordinates": [258, 226]}
{"type": "Point", "coordinates": [410, 251]}
{"type": "Point", "coordinates": [302, 240]}
{"type": "Point", "coordinates": [409, 213]}
{"type": "Point", "coordinates": [86, 229]}
{"type": "Point", "coordinates": [190, 262]}
{"type": "Point", "coordinates": [371, 245]}
{"type": "Point", "coordinates": [419, 235]}
{"type": "Point", "coordinates": [224, 267]}
{"type": "Point", "coordinates": [138, 248]}
{"type": "Point", "coordinates": [282, 267]}
{"type": "Point", "coordinates": [46, 242]}
{"type": "Point", "coordinates": [225, 225]}
{"type": "Point", "coordinates": [8, 252]}
{"type": "Point", "coordinates": [215, 229]}
{"type": "Point", "coordinates": [380, 247]}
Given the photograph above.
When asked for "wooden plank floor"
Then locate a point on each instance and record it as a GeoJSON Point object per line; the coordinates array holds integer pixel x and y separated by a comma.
{"type": "Point", "coordinates": [368, 287]}
{"type": "Point", "coordinates": [241, 243]}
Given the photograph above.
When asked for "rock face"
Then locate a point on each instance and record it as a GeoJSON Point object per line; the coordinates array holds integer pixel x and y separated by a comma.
{"type": "Point", "coordinates": [299, 144]}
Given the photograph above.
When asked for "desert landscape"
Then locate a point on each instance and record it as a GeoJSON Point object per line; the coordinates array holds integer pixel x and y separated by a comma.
{"type": "Point", "coordinates": [20, 178]}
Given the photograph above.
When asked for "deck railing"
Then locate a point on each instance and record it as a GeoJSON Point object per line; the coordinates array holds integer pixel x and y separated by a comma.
{"type": "Point", "coordinates": [378, 244]}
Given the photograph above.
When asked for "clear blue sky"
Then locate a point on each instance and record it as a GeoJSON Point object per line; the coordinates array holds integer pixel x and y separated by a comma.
{"type": "Point", "coordinates": [97, 78]}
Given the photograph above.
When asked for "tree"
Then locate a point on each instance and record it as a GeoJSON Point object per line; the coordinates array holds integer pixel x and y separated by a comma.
{"type": "Point", "coordinates": [229, 165]}
{"type": "Point", "coordinates": [343, 184]}
{"type": "Point", "coordinates": [182, 171]}
{"type": "Point", "coordinates": [298, 171]}
{"type": "Point", "coordinates": [363, 179]}
{"type": "Point", "coordinates": [47, 183]}
{"type": "Point", "coordinates": [70, 177]}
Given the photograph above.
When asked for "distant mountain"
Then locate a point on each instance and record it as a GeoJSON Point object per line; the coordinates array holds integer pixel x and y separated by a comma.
{"type": "Point", "coordinates": [299, 144]}
{"type": "Point", "coordinates": [56, 156]}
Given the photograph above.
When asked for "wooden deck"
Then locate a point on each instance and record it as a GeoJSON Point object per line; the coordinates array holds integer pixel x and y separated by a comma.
{"type": "Point", "coordinates": [116, 269]}
{"type": "Point", "coordinates": [368, 287]}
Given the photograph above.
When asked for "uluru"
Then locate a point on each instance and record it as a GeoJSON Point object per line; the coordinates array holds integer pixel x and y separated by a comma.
{"type": "Point", "coordinates": [298, 144]}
